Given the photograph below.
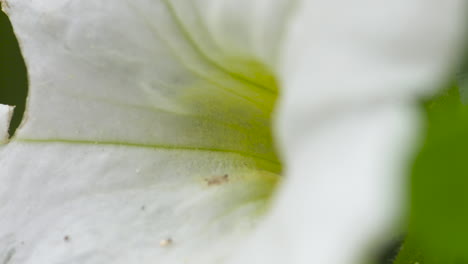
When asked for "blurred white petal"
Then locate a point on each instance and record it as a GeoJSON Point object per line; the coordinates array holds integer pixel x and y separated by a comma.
{"type": "Point", "coordinates": [352, 71]}
{"type": "Point", "coordinates": [343, 193]}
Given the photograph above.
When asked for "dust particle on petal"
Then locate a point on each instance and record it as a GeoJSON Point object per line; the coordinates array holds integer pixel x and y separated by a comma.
{"type": "Point", "coordinates": [165, 242]}
{"type": "Point", "coordinates": [217, 180]}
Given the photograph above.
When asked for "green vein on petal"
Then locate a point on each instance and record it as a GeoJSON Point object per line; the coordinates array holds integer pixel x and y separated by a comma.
{"type": "Point", "coordinates": [274, 166]}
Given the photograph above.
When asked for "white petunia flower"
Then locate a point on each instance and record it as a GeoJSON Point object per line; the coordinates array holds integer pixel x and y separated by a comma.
{"type": "Point", "coordinates": [148, 133]}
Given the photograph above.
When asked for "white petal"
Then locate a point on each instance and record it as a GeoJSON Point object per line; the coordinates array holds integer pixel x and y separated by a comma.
{"type": "Point", "coordinates": [126, 73]}
{"type": "Point", "coordinates": [124, 112]}
{"type": "Point", "coordinates": [342, 54]}
{"type": "Point", "coordinates": [114, 204]}
{"type": "Point", "coordinates": [351, 72]}
{"type": "Point", "coordinates": [133, 75]}
{"type": "Point", "coordinates": [130, 132]}
{"type": "Point", "coordinates": [6, 113]}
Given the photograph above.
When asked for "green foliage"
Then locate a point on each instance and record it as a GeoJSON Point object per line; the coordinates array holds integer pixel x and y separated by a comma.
{"type": "Point", "coordinates": [438, 226]}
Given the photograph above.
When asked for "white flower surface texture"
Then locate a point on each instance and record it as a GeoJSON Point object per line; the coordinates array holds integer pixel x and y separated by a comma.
{"type": "Point", "coordinates": [153, 133]}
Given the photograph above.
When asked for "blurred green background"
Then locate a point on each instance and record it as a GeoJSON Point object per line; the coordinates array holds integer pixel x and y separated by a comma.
{"type": "Point", "coordinates": [437, 230]}
{"type": "Point", "coordinates": [13, 80]}
{"type": "Point", "coordinates": [438, 219]}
